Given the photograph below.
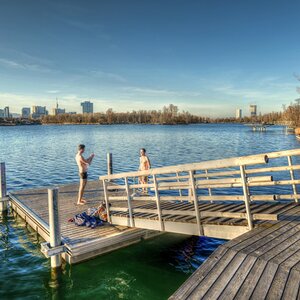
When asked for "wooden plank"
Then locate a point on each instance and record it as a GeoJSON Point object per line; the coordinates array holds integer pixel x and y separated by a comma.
{"type": "Point", "coordinates": [212, 276]}
{"type": "Point", "coordinates": [248, 286]}
{"type": "Point", "coordinates": [224, 278]}
{"type": "Point", "coordinates": [189, 286]}
{"type": "Point", "coordinates": [234, 284]}
{"type": "Point", "coordinates": [292, 286]}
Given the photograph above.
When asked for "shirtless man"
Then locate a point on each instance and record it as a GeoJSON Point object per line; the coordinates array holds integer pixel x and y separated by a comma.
{"type": "Point", "coordinates": [83, 165]}
{"type": "Point", "coordinates": [144, 165]}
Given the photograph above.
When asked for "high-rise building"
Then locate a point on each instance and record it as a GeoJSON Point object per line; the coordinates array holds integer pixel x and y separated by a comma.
{"type": "Point", "coordinates": [1, 113]}
{"type": "Point", "coordinates": [58, 111]}
{"type": "Point", "coordinates": [238, 113]}
{"type": "Point", "coordinates": [253, 110]}
{"type": "Point", "coordinates": [39, 111]}
{"type": "Point", "coordinates": [87, 107]}
{"type": "Point", "coordinates": [26, 112]}
{"type": "Point", "coordinates": [6, 112]}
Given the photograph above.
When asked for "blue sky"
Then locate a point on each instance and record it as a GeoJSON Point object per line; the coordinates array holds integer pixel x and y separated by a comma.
{"type": "Point", "coordinates": [206, 56]}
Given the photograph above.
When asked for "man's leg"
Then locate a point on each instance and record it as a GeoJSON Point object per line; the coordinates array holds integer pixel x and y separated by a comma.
{"type": "Point", "coordinates": [81, 191]}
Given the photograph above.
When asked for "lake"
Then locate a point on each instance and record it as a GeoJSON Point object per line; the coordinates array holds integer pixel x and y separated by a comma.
{"type": "Point", "coordinates": [38, 156]}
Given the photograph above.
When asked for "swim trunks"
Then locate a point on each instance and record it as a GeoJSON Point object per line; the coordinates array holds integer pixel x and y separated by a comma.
{"type": "Point", "coordinates": [83, 175]}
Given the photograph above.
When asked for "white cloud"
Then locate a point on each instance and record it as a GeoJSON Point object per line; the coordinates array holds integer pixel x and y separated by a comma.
{"type": "Point", "coordinates": [24, 66]}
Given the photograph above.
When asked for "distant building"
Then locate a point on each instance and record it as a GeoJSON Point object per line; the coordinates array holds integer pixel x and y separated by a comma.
{"type": "Point", "coordinates": [58, 111]}
{"type": "Point", "coordinates": [15, 115]}
{"type": "Point", "coordinates": [1, 113]}
{"type": "Point", "coordinates": [72, 113]}
{"type": "Point", "coordinates": [39, 111]}
{"type": "Point", "coordinates": [26, 111]}
{"type": "Point", "coordinates": [238, 113]}
{"type": "Point", "coordinates": [87, 107]}
{"type": "Point", "coordinates": [6, 112]}
{"type": "Point", "coordinates": [253, 110]}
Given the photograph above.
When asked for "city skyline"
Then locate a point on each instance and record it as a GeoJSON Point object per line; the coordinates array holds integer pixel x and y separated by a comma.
{"type": "Point", "coordinates": [87, 107]}
{"type": "Point", "coordinates": [206, 58]}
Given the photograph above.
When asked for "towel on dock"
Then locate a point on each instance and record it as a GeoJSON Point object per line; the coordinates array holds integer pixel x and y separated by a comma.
{"type": "Point", "coordinates": [90, 218]}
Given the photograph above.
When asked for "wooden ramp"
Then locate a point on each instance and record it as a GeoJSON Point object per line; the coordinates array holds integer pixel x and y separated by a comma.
{"type": "Point", "coordinates": [261, 264]}
{"type": "Point", "coordinates": [82, 243]}
{"type": "Point", "coordinates": [221, 220]}
{"type": "Point", "coordinates": [220, 198]}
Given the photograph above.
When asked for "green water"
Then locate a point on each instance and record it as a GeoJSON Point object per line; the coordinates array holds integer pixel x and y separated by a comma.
{"type": "Point", "coordinates": [151, 269]}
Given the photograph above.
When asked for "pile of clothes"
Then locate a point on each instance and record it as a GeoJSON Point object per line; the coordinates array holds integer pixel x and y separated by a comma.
{"type": "Point", "coordinates": [92, 218]}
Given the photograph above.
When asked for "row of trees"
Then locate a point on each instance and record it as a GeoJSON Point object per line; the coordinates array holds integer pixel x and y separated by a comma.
{"type": "Point", "coordinates": [168, 115]}
{"type": "Point", "coordinates": [171, 115]}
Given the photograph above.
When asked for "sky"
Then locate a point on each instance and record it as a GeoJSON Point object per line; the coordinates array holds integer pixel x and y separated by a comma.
{"type": "Point", "coordinates": [208, 57]}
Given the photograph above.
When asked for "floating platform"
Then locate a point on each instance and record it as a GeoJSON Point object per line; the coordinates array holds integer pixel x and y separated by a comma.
{"type": "Point", "coordinates": [82, 243]}
{"type": "Point", "coordinates": [261, 264]}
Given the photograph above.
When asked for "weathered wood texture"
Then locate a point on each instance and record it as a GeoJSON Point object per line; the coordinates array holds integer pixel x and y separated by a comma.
{"type": "Point", "coordinates": [261, 264]}
{"type": "Point", "coordinates": [82, 243]}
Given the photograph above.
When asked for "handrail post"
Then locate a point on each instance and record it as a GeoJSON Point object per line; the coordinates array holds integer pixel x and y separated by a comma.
{"type": "Point", "coordinates": [178, 180]}
{"type": "Point", "coordinates": [246, 196]}
{"type": "Point", "coordinates": [105, 191]}
{"type": "Point", "coordinates": [209, 189]}
{"type": "Point", "coordinates": [195, 199]}
{"type": "Point", "coordinates": [129, 202]}
{"type": "Point", "coordinates": [109, 163]}
{"type": "Point", "coordinates": [54, 225]}
{"type": "Point", "coordinates": [3, 190]}
{"type": "Point", "coordinates": [159, 213]}
{"type": "Point", "coordinates": [292, 177]}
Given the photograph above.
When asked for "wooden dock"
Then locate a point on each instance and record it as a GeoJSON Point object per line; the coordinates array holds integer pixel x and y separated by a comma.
{"type": "Point", "coordinates": [81, 243]}
{"type": "Point", "coordinates": [254, 201]}
{"type": "Point", "coordinates": [251, 200]}
{"type": "Point", "coordinates": [261, 264]}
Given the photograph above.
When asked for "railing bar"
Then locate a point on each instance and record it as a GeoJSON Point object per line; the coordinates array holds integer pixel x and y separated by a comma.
{"type": "Point", "coordinates": [195, 199]}
{"type": "Point", "coordinates": [246, 196]}
{"type": "Point", "coordinates": [159, 212]}
{"type": "Point", "coordinates": [106, 200]}
{"type": "Point", "coordinates": [129, 202]}
{"type": "Point", "coordinates": [207, 178]}
{"type": "Point", "coordinates": [292, 177]}
{"type": "Point", "coordinates": [178, 180]}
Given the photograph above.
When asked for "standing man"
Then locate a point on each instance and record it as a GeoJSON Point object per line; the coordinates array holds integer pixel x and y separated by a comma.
{"type": "Point", "coordinates": [144, 165]}
{"type": "Point", "coordinates": [83, 165]}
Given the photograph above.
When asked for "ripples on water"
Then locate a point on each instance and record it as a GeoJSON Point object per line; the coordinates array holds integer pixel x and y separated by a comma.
{"type": "Point", "coordinates": [44, 155]}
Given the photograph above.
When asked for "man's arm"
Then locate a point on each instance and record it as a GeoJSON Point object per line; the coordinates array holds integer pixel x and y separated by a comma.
{"type": "Point", "coordinates": [83, 161]}
{"type": "Point", "coordinates": [89, 160]}
{"type": "Point", "coordinates": [149, 164]}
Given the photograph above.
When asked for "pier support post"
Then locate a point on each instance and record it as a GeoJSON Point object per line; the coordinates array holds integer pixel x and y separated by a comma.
{"type": "Point", "coordinates": [109, 164]}
{"type": "Point", "coordinates": [54, 225]}
{"type": "Point", "coordinates": [3, 191]}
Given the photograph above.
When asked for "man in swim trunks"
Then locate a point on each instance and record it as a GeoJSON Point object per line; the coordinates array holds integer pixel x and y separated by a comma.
{"type": "Point", "coordinates": [144, 165]}
{"type": "Point", "coordinates": [83, 165]}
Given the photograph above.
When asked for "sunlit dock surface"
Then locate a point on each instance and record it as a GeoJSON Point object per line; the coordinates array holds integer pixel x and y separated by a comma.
{"type": "Point", "coordinates": [261, 264]}
{"type": "Point", "coordinates": [81, 242]}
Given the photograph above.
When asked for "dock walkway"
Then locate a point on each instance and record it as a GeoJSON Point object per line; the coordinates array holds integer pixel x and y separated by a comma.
{"type": "Point", "coordinates": [261, 264]}
{"type": "Point", "coordinates": [81, 242]}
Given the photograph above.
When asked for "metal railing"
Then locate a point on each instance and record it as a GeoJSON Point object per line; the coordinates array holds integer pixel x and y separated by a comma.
{"type": "Point", "coordinates": [263, 177]}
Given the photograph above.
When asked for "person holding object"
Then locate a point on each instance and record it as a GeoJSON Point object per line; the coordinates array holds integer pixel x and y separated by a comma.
{"type": "Point", "coordinates": [83, 165]}
{"type": "Point", "coordinates": [144, 165]}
